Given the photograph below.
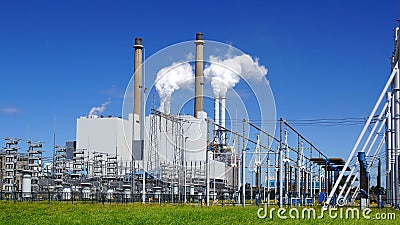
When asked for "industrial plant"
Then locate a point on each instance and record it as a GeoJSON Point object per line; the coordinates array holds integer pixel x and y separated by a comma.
{"type": "Point", "coordinates": [207, 156]}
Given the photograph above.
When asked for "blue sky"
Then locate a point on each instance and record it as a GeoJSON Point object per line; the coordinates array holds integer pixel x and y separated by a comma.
{"type": "Point", "coordinates": [326, 59]}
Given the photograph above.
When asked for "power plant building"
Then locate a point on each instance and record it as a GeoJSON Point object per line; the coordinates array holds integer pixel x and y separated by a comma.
{"type": "Point", "coordinates": [110, 135]}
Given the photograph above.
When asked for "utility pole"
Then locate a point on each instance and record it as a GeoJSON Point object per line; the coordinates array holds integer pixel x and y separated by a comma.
{"type": "Point", "coordinates": [378, 184]}
{"type": "Point", "coordinates": [280, 163]}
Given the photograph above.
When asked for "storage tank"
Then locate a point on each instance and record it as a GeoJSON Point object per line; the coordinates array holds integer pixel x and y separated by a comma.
{"type": "Point", "coordinates": [127, 194]}
{"type": "Point", "coordinates": [67, 193]}
{"type": "Point", "coordinates": [191, 190]}
{"type": "Point", "coordinates": [176, 190]}
{"type": "Point", "coordinates": [26, 186]}
{"type": "Point", "coordinates": [110, 194]}
{"type": "Point", "coordinates": [86, 193]}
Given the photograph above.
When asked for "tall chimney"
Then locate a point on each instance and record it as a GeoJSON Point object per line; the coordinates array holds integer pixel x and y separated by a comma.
{"type": "Point", "coordinates": [138, 85]}
{"type": "Point", "coordinates": [223, 133]}
{"type": "Point", "coordinates": [199, 83]}
{"type": "Point", "coordinates": [162, 107]}
{"type": "Point", "coordinates": [216, 111]}
{"type": "Point", "coordinates": [168, 106]}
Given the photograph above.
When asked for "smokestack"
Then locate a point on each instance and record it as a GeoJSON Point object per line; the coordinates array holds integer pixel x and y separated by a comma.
{"type": "Point", "coordinates": [162, 107]}
{"type": "Point", "coordinates": [216, 112]}
{"type": "Point", "coordinates": [216, 118]}
{"type": "Point", "coordinates": [223, 133]}
{"type": "Point", "coordinates": [138, 85]}
{"type": "Point", "coordinates": [199, 83]}
{"type": "Point", "coordinates": [168, 106]}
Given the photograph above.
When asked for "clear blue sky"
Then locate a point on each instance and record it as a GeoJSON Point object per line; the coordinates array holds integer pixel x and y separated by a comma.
{"type": "Point", "coordinates": [326, 59]}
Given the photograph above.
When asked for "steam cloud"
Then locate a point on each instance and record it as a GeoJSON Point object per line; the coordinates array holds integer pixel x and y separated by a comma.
{"type": "Point", "coordinates": [226, 73]}
{"type": "Point", "coordinates": [96, 110]}
{"type": "Point", "coordinates": [171, 78]}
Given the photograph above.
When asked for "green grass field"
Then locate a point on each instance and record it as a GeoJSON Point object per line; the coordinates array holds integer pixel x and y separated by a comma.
{"type": "Point", "coordinates": [86, 213]}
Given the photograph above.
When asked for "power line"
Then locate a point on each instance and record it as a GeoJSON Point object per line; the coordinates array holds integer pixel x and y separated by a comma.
{"type": "Point", "coordinates": [350, 121]}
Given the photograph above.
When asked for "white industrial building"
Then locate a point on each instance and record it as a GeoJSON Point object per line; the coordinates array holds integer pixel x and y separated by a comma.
{"type": "Point", "coordinates": [184, 136]}
{"type": "Point", "coordinates": [180, 140]}
{"type": "Point", "coordinates": [110, 135]}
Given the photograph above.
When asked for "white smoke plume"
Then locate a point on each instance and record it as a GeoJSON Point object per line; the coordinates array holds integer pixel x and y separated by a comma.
{"type": "Point", "coordinates": [96, 110]}
{"type": "Point", "coordinates": [171, 78]}
{"type": "Point", "coordinates": [226, 73]}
